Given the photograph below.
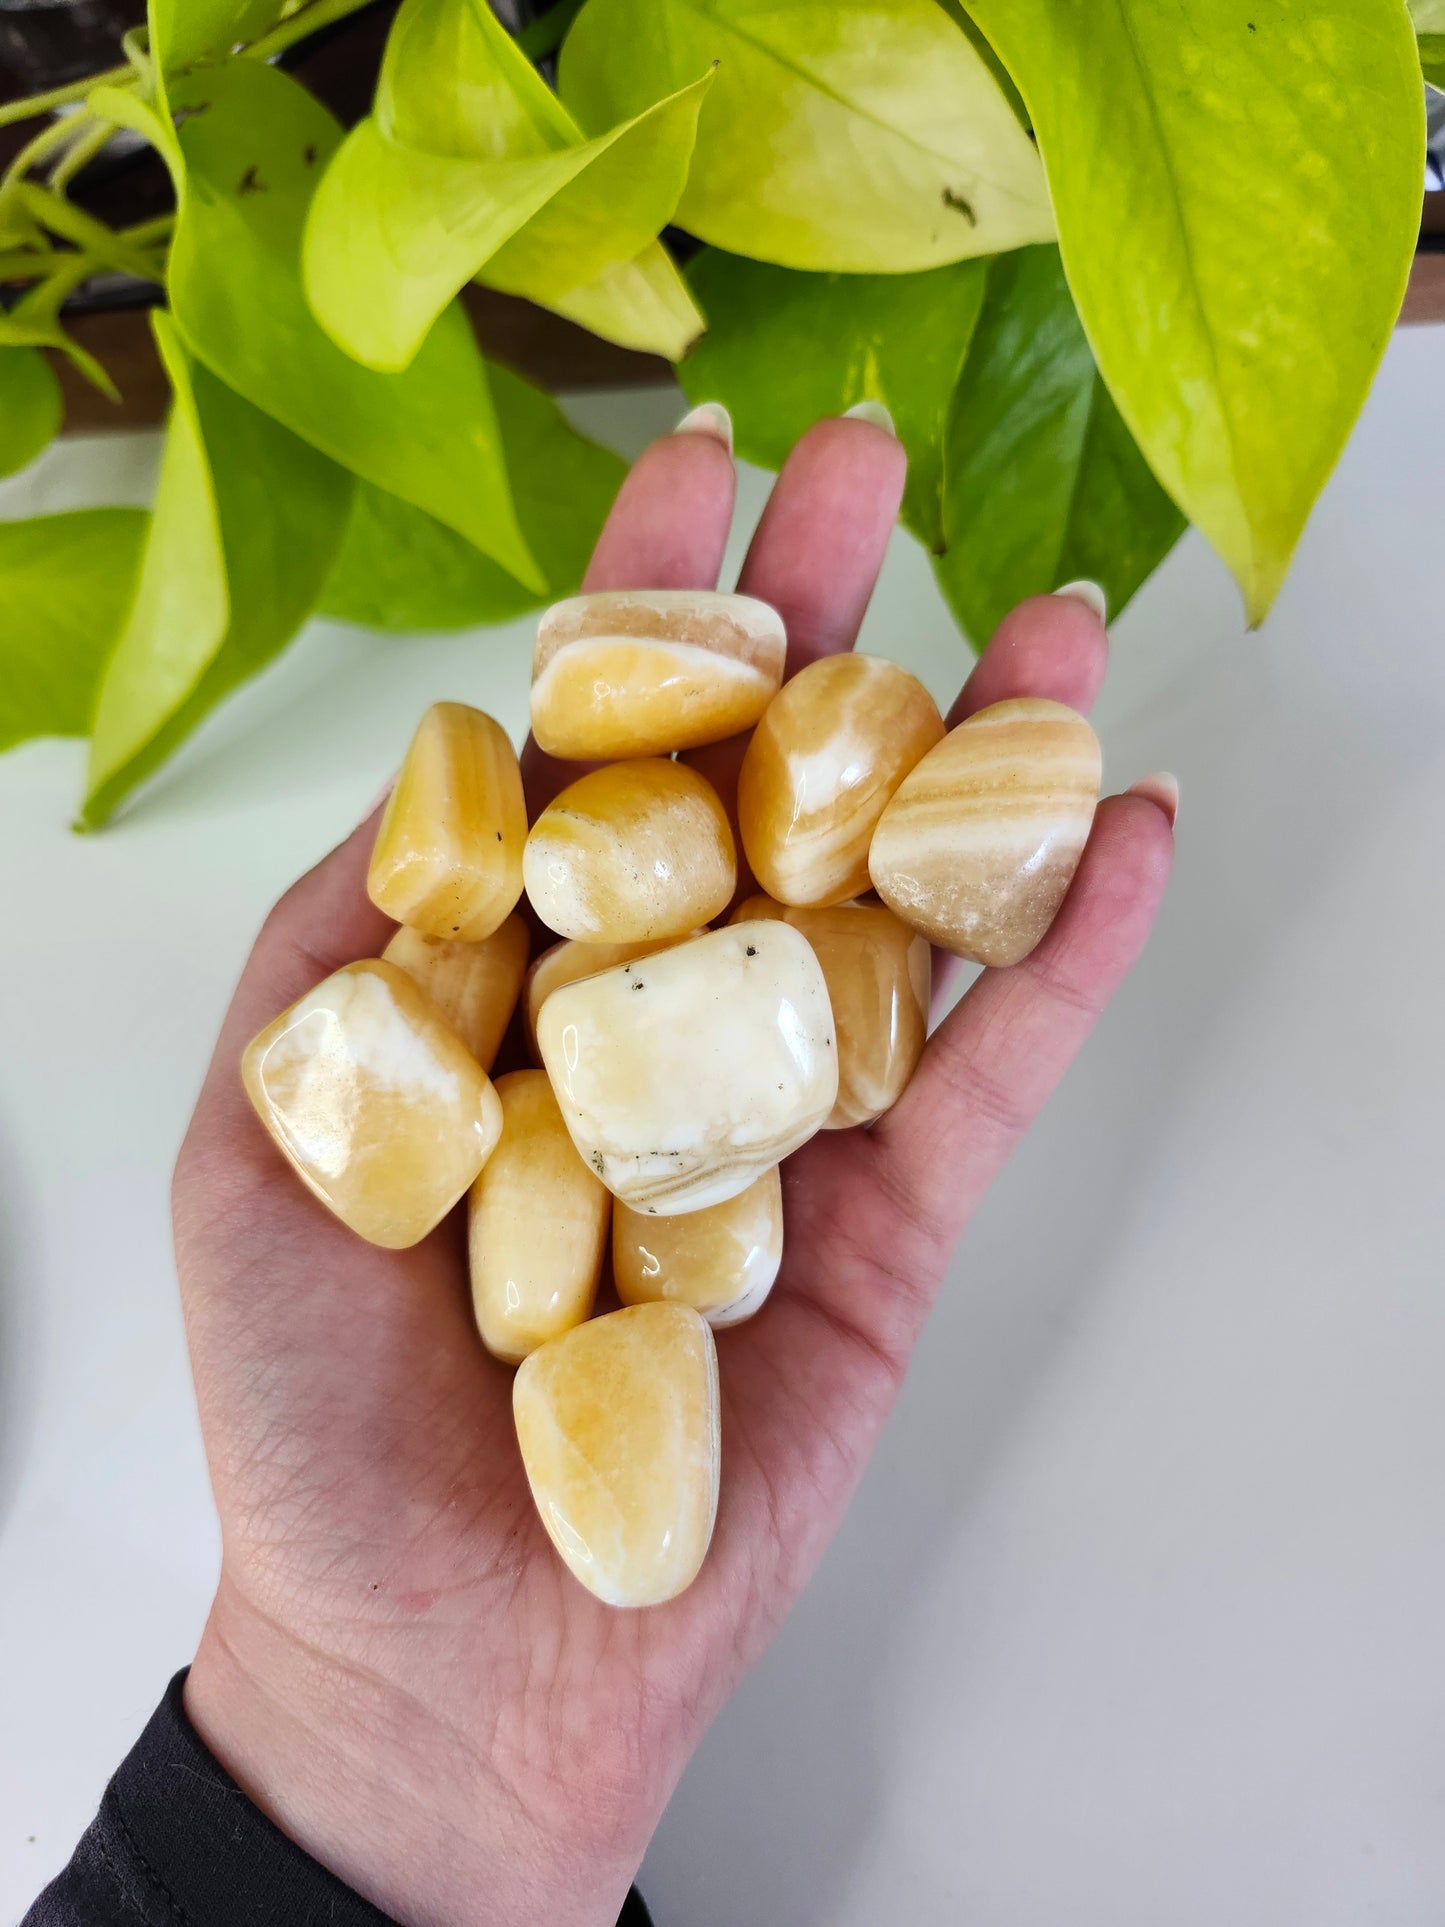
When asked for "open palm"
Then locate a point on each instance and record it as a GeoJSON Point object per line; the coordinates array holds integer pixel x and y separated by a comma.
{"type": "Point", "coordinates": [397, 1666]}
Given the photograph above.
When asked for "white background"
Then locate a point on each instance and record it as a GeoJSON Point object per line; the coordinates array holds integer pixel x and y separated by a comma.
{"type": "Point", "coordinates": [1139, 1619]}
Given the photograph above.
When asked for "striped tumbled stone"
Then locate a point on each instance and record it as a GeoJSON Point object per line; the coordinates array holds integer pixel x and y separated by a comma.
{"type": "Point", "coordinates": [979, 844]}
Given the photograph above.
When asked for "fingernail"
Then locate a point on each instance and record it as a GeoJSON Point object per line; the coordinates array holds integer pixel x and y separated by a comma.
{"type": "Point", "coordinates": [381, 795]}
{"type": "Point", "coordinates": [871, 411]}
{"type": "Point", "coordinates": [708, 418]}
{"type": "Point", "coordinates": [1090, 594]}
{"type": "Point", "coordinates": [1162, 790]}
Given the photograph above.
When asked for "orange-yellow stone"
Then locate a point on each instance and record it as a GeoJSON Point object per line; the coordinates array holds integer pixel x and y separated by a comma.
{"type": "Point", "coordinates": [832, 747]}
{"type": "Point", "coordinates": [979, 846]}
{"type": "Point", "coordinates": [641, 672]}
{"type": "Point", "coordinates": [567, 962]}
{"type": "Point", "coordinates": [721, 1261]}
{"type": "Point", "coordinates": [374, 1100]}
{"type": "Point", "coordinates": [879, 975]}
{"type": "Point", "coordinates": [631, 852]}
{"type": "Point", "coordinates": [474, 986]}
{"type": "Point", "coordinates": [619, 1428]}
{"type": "Point", "coordinates": [448, 854]}
{"type": "Point", "coordinates": [537, 1228]}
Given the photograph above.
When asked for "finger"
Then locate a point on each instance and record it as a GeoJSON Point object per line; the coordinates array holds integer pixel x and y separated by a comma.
{"type": "Point", "coordinates": [1051, 645]}
{"type": "Point", "coordinates": [667, 529]}
{"type": "Point", "coordinates": [985, 1076]}
{"type": "Point", "coordinates": [821, 540]}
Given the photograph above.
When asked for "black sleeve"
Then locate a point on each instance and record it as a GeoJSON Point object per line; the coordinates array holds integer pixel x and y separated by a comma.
{"type": "Point", "coordinates": [177, 1844]}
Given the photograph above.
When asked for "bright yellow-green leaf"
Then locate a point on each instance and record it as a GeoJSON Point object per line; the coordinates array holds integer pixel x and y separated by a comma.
{"type": "Point", "coordinates": [642, 304]}
{"type": "Point", "coordinates": [30, 406]}
{"type": "Point", "coordinates": [470, 165]}
{"type": "Point", "coordinates": [254, 143]}
{"type": "Point", "coordinates": [182, 31]}
{"type": "Point", "coordinates": [1428, 15]}
{"type": "Point", "coordinates": [65, 584]}
{"type": "Point", "coordinates": [400, 569]}
{"type": "Point", "coordinates": [856, 135]}
{"type": "Point", "coordinates": [1237, 190]}
{"type": "Point", "coordinates": [246, 523]}
{"type": "Point", "coordinates": [1431, 48]}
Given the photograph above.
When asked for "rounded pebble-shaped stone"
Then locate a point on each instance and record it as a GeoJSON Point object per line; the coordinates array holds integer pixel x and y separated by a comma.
{"type": "Point", "coordinates": [722, 1261]}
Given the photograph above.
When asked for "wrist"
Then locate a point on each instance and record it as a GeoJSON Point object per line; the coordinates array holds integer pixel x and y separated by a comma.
{"type": "Point", "coordinates": [411, 1811]}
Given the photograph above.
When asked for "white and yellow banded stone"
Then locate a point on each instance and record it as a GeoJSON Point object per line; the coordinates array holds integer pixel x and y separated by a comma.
{"type": "Point", "coordinates": [537, 1225]}
{"type": "Point", "coordinates": [642, 672]}
{"type": "Point", "coordinates": [722, 1261]}
{"type": "Point", "coordinates": [631, 852]}
{"type": "Point", "coordinates": [685, 1075]}
{"type": "Point", "coordinates": [619, 1425]}
{"type": "Point", "coordinates": [474, 986]}
{"type": "Point", "coordinates": [879, 975]}
{"type": "Point", "coordinates": [448, 853]}
{"type": "Point", "coordinates": [981, 841]}
{"type": "Point", "coordinates": [568, 961]}
{"type": "Point", "coordinates": [832, 747]}
{"type": "Point", "coordinates": [376, 1103]}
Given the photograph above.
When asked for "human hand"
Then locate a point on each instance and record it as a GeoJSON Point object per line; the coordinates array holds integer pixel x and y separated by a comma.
{"type": "Point", "coordinates": [397, 1667]}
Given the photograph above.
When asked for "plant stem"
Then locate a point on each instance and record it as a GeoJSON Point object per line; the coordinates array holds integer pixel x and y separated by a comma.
{"type": "Point", "coordinates": [82, 150]}
{"type": "Point", "coordinates": [17, 110]}
{"type": "Point", "coordinates": [148, 233]}
{"type": "Point", "coordinates": [300, 25]}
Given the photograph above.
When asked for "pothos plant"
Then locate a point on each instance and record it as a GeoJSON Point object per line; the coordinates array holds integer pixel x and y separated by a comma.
{"type": "Point", "coordinates": [1113, 265]}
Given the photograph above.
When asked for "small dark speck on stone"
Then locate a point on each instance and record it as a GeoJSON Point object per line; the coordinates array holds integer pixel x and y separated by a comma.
{"type": "Point", "coordinates": [639, 985]}
{"type": "Point", "coordinates": [752, 952]}
{"type": "Point", "coordinates": [499, 836]}
{"type": "Point", "coordinates": [455, 928]}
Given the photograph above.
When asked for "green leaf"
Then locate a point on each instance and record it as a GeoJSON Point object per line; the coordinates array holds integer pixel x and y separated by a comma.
{"type": "Point", "coordinates": [398, 568]}
{"type": "Point", "coordinates": [183, 31]}
{"type": "Point", "coordinates": [471, 164]}
{"type": "Point", "coordinates": [642, 304]}
{"type": "Point", "coordinates": [34, 322]}
{"type": "Point", "coordinates": [1237, 189]}
{"type": "Point", "coordinates": [1428, 15]}
{"type": "Point", "coordinates": [784, 349]}
{"type": "Point", "coordinates": [1043, 483]}
{"type": "Point", "coordinates": [247, 519]}
{"type": "Point", "coordinates": [30, 406]}
{"type": "Point", "coordinates": [1431, 48]}
{"type": "Point", "coordinates": [857, 135]}
{"type": "Point", "coordinates": [253, 143]}
{"type": "Point", "coordinates": [65, 584]}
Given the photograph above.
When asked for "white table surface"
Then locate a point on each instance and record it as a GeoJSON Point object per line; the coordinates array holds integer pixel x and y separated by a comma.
{"type": "Point", "coordinates": [1139, 1618]}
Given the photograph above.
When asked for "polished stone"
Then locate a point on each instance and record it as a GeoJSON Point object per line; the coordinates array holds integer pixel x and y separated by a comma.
{"type": "Point", "coordinates": [685, 1075]}
{"type": "Point", "coordinates": [722, 1261]}
{"type": "Point", "coordinates": [375, 1101]}
{"type": "Point", "coordinates": [631, 852]}
{"type": "Point", "coordinates": [832, 747]}
{"type": "Point", "coordinates": [879, 975]}
{"type": "Point", "coordinates": [448, 854]}
{"type": "Point", "coordinates": [474, 986]}
{"type": "Point", "coordinates": [643, 672]}
{"type": "Point", "coordinates": [566, 962]}
{"type": "Point", "coordinates": [537, 1225]}
{"type": "Point", "coordinates": [979, 846]}
{"type": "Point", "coordinates": [618, 1422]}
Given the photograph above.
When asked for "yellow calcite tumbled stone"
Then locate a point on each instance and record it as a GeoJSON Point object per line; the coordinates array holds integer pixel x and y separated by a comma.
{"type": "Point", "coordinates": [631, 852]}
{"type": "Point", "coordinates": [474, 986]}
{"type": "Point", "coordinates": [685, 1075]}
{"type": "Point", "coordinates": [567, 961]}
{"type": "Point", "coordinates": [641, 672]}
{"type": "Point", "coordinates": [979, 846]}
{"type": "Point", "coordinates": [879, 975]}
{"type": "Point", "coordinates": [374, 1100]}
{"type": "Point", "coordinates": [619, 1427]}
{"type": "Point", "coordinates": [448, 854]}
{"type": "Point", "coordinates": [537, 1230]}
{"type": "Point", "coordinates": [832, 747]}
{"type": "Point", "coordinates": [721, 1261]}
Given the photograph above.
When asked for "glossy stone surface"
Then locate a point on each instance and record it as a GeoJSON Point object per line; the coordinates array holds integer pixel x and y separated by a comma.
{"type": "Point", "coordinates": [537, 1225]}
{"type": "Point", "coordinates": [448, 854]}
{"type": "Point", "coordinates": [879, 975]}
{"type": "Point", "coordinates": [646, 671]}
{"type": "Point", "coordinates": [375, 1102]}
{"type": "Point", "coordinates": [832, 747]}
{"type": "Point", "coordinates": [568, 961]}
{"type": "Point", "coordinates": [631, 852]}
{"type": "Point", "coordinates": [685, 1075]}
{"type": "Point", "coordinates": [721, 1261]}
{"type": "Point", "coordinates": [618, 1423]}
{"type": "Point", "coordinates": [474, 986]}
{"type": "Point", "coordinates": [980, 844]}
